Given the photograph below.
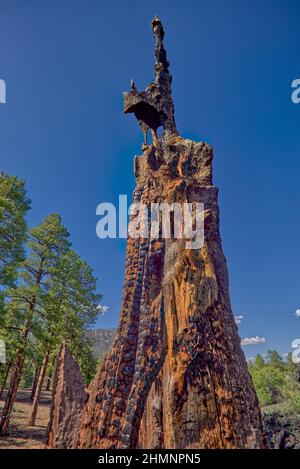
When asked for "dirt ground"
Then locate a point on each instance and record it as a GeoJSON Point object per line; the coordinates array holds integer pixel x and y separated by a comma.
{"type": "Point", "coordinates": [21, 435]}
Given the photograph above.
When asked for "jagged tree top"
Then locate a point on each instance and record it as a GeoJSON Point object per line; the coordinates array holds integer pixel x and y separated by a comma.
{"type": "Point", "coordinates": [154, 106]}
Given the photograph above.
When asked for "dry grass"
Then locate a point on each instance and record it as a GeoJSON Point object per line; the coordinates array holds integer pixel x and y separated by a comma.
{"type": "Point", "coordinates": [21, 435]}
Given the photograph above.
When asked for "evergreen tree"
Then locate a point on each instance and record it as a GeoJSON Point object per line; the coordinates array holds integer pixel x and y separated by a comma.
{"type": "Point", "coordinates": [276, 381]}
{"type": "Point", "coordinates": [259, 362]}
{"type": "Point", "coordinates": [275, 360]}
{"type": "Point", "coordinates": [47, 243]}
{"type": "Point", "coordinates": [69, 308]}
{"type": "Point", "coordinates": [14, 206]}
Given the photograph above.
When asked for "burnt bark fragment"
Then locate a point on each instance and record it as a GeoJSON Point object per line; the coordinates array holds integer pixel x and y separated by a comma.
{"type": "Point", "coordinates": [68, 398]}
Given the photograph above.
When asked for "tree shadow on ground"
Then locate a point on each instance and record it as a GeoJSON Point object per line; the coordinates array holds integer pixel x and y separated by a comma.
{"type": "Point", "coordinates": [22, 436]}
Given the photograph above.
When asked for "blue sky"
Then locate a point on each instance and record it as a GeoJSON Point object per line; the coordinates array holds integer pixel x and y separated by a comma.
{"type": "Point", "coordinates": [66, 64]}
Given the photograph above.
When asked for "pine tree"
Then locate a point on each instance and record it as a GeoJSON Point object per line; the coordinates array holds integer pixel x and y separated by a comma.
{"type": "Point", "coordinates": [14, 206]}
{"type": "Point", "coordinates": [47, 243]}
{"type": "Point", "coordinates": [275, 360]}
{"type": "Point", "coordinates": [70, 306]}
{"type": "Point", "coordinates": [259, 361]}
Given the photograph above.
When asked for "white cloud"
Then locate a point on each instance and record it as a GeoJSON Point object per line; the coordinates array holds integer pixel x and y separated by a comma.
{"type": "Point", "coordinates": [102, 309]}
{"type": "Point", "coordinates": [297, 313]}
{"type": "Point", "coordinates": [238, 319]}
{"type": "Point", "coordinates": [253, 340]}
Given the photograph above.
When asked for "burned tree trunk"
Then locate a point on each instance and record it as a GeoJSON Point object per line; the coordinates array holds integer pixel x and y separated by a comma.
{"type": "Point", "coordinates": [68, 399]}
{"type": "Point", "coordinates": [176, 377]}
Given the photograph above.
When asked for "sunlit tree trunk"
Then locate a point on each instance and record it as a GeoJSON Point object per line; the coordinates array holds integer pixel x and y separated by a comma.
{"type": "Point", "coordinates": [36, 377]}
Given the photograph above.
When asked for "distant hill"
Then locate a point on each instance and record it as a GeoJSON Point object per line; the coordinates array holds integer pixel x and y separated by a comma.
{"type": "Point", "coordinates": [102, 341]}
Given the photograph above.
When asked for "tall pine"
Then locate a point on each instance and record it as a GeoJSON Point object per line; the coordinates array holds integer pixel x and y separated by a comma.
{"type": "Point", "coordinates": [14, 206]}
{"type": "Point", "coordinates": [48, 242]}
{"type": "Point", "coordinates": [69, 308]}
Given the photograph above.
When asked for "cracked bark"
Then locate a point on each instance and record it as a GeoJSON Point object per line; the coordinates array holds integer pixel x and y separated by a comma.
{"type": "Point", "coordinates": [176, 376]}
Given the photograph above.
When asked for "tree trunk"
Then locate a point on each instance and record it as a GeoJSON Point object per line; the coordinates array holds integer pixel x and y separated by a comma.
{"type": "Point", "coordinates": [12, 393]}
{"type": "Point", "coordinates": [49, 380]}
{"type": "Point", "coordinates": [16, 376]}
{"type": "Point", "coordinates": [38, 390]}
{"type": "Point", "coordinates": [17, 373]}
{"type": "Point", "coordinates": [5, 379]}
{"type": "Point", "coordinates": [36, 377]}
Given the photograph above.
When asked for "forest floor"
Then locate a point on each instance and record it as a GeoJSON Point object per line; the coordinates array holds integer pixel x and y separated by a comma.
{"type": "Point", "coordinates": [21, 435]}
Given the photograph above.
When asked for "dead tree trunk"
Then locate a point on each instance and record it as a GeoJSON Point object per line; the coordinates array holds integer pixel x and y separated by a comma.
{"type": "Point", "coordinates": [38, 390]}
{"type": "Point", "coordinates": [176, 376]}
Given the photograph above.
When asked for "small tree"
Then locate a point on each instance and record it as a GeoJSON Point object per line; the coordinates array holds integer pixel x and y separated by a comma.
{"type": "Point", "coordinates": [275, 360]}
{"type": "Point", "coordinates": [259, 362]}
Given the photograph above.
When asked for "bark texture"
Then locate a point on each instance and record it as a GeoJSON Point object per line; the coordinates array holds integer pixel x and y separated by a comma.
{"type": "Point", "coordinates": [67, 402]}
{"type": "Point", "coordinates": [176, 376]}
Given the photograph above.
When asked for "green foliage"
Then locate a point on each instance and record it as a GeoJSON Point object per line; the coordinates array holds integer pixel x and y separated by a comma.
{"type": "Point", "coordinates": [47, 296]}
{"type": "Point", "coordinates": [259, 361]}
{"type": "Point", "coordinates": [268, 382]}
{"type": "Point", "coordinates": [85, 358]}
{"type": "Point", "coordinates": [70, 308]}
{"type": "Point", "coordinates": [56, 298]}
{"type": "Point", "coordinates": [14, 206]}
{"type": "Point", "coordinates": [275, 360]}
{"type": "Point", "coordinates": [23, 311]}
{"type": "Point", "coordinates": [276, 381]}
{"type": "Point", "coordinates": [27, 375]}
{"type": "Point", "coordinates": [291, 393]}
